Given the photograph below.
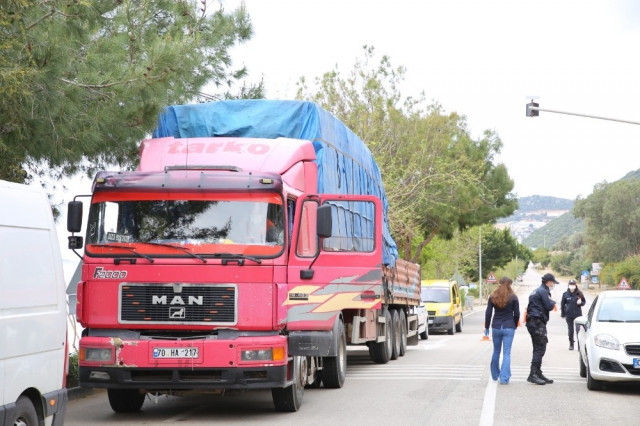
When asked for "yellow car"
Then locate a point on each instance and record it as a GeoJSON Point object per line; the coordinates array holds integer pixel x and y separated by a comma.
{"type": "Point", "coordinates": [444, 305]}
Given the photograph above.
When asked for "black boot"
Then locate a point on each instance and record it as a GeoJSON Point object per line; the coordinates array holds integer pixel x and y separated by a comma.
{"type": "Point", "coordinates": [571, 346]}
{"type": "Point", "coordinates": [546, 380]}
{"type": "Point", "coordinates": [535, 378]}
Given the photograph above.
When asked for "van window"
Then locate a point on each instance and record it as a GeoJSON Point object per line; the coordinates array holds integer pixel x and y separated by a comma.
{"type": "Point", "coordinates": [436, 295]}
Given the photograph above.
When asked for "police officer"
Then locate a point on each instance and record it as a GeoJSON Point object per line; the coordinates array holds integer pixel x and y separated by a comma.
{"type": "Point", "coordinates": [540, 304]}
{"type": "Point", "coordinates": [571, 307]}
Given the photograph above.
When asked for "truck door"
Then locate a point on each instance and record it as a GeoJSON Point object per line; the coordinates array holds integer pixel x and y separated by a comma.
{"type": "Point", "coordinates": [341, 271]}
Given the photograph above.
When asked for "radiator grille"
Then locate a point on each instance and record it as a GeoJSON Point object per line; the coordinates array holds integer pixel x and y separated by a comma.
{"type": "Point", "coordinates": [178, 303]}
{"type": "Point", "coordinates": [633, 350]}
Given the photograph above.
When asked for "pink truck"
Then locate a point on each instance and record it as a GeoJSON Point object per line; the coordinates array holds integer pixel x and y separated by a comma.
{"type": "Point", "coordinates": [247, 251]}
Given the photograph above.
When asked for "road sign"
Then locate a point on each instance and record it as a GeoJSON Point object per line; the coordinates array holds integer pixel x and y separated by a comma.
{"type": "Point", "coordinates": [624, 285]}
{"type": "Point", "coordinates": [491, 278]}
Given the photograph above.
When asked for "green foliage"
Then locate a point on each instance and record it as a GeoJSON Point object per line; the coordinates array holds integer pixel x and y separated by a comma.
{"type": "Point", "coordinates": [73, 376]}
{"type": "Point", "coordinates": [542, 256]}
{"type": "Point", "coordinates": [628, 268]}
{"type": "Point", "coordinates": [437, 178]}
{"type": "Point", "coordinates": [612, 214]}
{"type": "Point", "coordinates": [82, 82]}
{"type": "Point", "coordinates": [566, 231]}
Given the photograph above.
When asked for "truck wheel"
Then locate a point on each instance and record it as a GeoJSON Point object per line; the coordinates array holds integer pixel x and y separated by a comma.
{"type": "Point", "coordinates": [380, 352]}
{"type": "Point", "coordinates": [334, 370]}
{"type": "Point", "coordinates": [395, 335]}
{"type": "Point", "coordinates": [403, 332]}
{"type": "Point", "coordinates": [25, 413]}
{"type": "Point", "coordinates": [125, 400]}
{"type": "Point", "coordinates": [289, 399]}
{"type": "Point", "coordinates": [459, 325]}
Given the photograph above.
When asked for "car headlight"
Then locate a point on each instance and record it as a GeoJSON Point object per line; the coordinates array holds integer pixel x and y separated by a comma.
{"type": "Point", "coordinates": [606, 341]}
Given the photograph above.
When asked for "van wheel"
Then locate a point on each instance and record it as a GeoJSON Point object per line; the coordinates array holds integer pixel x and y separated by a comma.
{"type": "Point", "coordinates": [395, 334]}
{"type": "Point", "coordinates": [583, 368]}
{"type": "Point", "coordinates": [452, 327]}
{"type": "Point", "coordinates": [459, 325]}
{"type": "Point", "coordinates": [425, 334]}
{"type": "Point", "coordinates": [403, 332]}
{"type": "Point", "coordinates": [25, 414]}
{"type": "Point", "coordinates": [125, 400]}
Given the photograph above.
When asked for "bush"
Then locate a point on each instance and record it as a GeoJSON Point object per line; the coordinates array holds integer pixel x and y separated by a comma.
{"type": "Point", "coordinates": [72, 377]}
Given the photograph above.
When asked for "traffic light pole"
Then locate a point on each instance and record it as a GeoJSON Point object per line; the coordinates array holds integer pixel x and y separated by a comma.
{"type": "Point", "coordinates": [534, 108]}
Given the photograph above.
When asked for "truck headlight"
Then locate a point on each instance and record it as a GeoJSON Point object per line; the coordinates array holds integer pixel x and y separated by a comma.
{"type": "Point", "coordinates": [104, 355]}
{"type": "Point", "coordinates": [257, 355]}
{"type": "Point", "coordinates": [271, 354]}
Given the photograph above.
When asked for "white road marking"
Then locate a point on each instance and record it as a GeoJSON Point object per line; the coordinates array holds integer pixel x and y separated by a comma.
{"type": "Point", "coordinates": [489, 403]}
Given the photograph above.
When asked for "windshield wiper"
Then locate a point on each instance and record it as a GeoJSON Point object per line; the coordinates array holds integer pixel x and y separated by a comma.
{"type": "Point", "coordinates": [131, 249]}
{"type": "Point", "coordinates": [184, 249]}
{"type": "Point", "coordinates": [226, 257]}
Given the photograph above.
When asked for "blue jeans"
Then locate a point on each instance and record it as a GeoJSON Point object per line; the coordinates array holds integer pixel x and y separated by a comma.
{"type": "Point", "coordinates": [502, 341]}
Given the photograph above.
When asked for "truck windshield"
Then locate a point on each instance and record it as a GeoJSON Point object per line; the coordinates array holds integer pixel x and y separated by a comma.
{"type": "Point", "coordinates": [250, 225]}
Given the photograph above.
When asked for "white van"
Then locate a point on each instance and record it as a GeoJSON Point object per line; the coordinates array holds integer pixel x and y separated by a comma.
{"type": "Point", "coordinates": [33, 310]}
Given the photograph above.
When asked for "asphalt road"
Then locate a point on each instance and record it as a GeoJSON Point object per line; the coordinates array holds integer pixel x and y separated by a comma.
{"type": "Point", "coordinates": [443, 381]}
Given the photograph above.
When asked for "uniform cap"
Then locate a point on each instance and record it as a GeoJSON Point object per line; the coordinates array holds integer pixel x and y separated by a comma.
{"type": "Point", "coordinates": [549, 277]}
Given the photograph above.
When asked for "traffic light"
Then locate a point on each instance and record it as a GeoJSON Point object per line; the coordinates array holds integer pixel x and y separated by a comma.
{"type": "Point", "coordinates": [532, 112]}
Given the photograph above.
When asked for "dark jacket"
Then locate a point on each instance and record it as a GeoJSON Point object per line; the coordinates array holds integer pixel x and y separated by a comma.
{"type": "Point", "coordinates": [540, 303]}
{"type": "Point", "coordinates": [568, 305]}
{"type": "Point", "coordinates": [507, 317]}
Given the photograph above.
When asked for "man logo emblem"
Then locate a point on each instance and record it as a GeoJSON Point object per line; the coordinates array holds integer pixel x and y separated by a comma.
{"type": "Point", "coordinates": [177, 313]}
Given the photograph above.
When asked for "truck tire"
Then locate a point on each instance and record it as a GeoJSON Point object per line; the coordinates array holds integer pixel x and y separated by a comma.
{"type": "Point", "coordinates": [403, 332]}
{"type": "Point", "coordinates": [289, 399]}
{"type": "Point", "coordinates": [25, 413]}
{"type": "Point", "coordinates": [459, 325]}
{"type": "Point", "coordinates": [395, 334]}
{"type": "Point", "coordinates": [125, 400]}
{"type": "Point", "coordinates": [380, 352]}
{"type": "Point", "coordinates": [334, 370]}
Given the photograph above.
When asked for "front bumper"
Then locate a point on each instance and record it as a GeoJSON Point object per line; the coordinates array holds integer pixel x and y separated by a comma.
{"type": "Point", "coordinates": [440, 323]}
{"type": "Point", "coordinates": [134, 363]}
{"type": "Point", "coordinates": [612, 365]}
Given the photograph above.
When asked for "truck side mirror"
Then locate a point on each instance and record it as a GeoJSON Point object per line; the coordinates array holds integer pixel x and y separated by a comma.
{"type": "Point", "coordinates": [324, 224]}
{"type": "Point", "coordinates": [74, 216]}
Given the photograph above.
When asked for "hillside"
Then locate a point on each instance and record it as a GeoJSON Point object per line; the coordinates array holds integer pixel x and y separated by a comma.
{"type": "Point", "coordinates": [548, 235]}
{"type": "Point", "coordinates": [533, 213]}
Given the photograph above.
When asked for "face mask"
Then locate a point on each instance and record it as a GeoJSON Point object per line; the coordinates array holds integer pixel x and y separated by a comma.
{"type": "Point", "coordinates": [572, 287]}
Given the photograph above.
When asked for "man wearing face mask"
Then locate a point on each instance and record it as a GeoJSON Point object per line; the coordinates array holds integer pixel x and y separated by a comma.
{"type": "Point", "coordinates": [540, 304]}
{"type": "Point", "coordinates": [571, 307]}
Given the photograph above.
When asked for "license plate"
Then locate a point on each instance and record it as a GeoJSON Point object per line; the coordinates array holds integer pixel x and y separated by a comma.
{"type": "Point", "coordinates": [636, 363]}
{"type": "Point", "coordinates": [430, 320]}
{"type": "Point", "coordinates": [175, 352]}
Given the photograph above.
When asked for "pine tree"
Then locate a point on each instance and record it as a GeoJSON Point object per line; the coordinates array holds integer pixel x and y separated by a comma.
{"type": "Point", "coordinates": [83, 81]}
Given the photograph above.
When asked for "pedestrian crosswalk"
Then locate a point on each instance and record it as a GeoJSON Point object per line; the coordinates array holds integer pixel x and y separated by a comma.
{"type": "Point", "coordinates": [359, 369]}
{"type": "Point", "coordinates": [415, 372]}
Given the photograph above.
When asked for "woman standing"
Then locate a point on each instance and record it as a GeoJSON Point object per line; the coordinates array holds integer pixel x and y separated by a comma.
{"type": "Point", "coordinates": [571, 307]}
{"type": "Point", "coordinates": [505, 319]}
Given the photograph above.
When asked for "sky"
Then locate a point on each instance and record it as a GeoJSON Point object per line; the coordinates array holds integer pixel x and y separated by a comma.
{"type": "Point", "coordinates": [481, 59]}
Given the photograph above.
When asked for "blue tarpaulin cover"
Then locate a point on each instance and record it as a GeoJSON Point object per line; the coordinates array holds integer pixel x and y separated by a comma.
{"type": "Point", "coordinates": [345, 164]}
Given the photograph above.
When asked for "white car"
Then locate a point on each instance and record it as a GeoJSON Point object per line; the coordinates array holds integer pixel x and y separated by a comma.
{"type": "Point", "coordinates": [423, 321]}
{"type": "Point", "coordinates": [609, 338]}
